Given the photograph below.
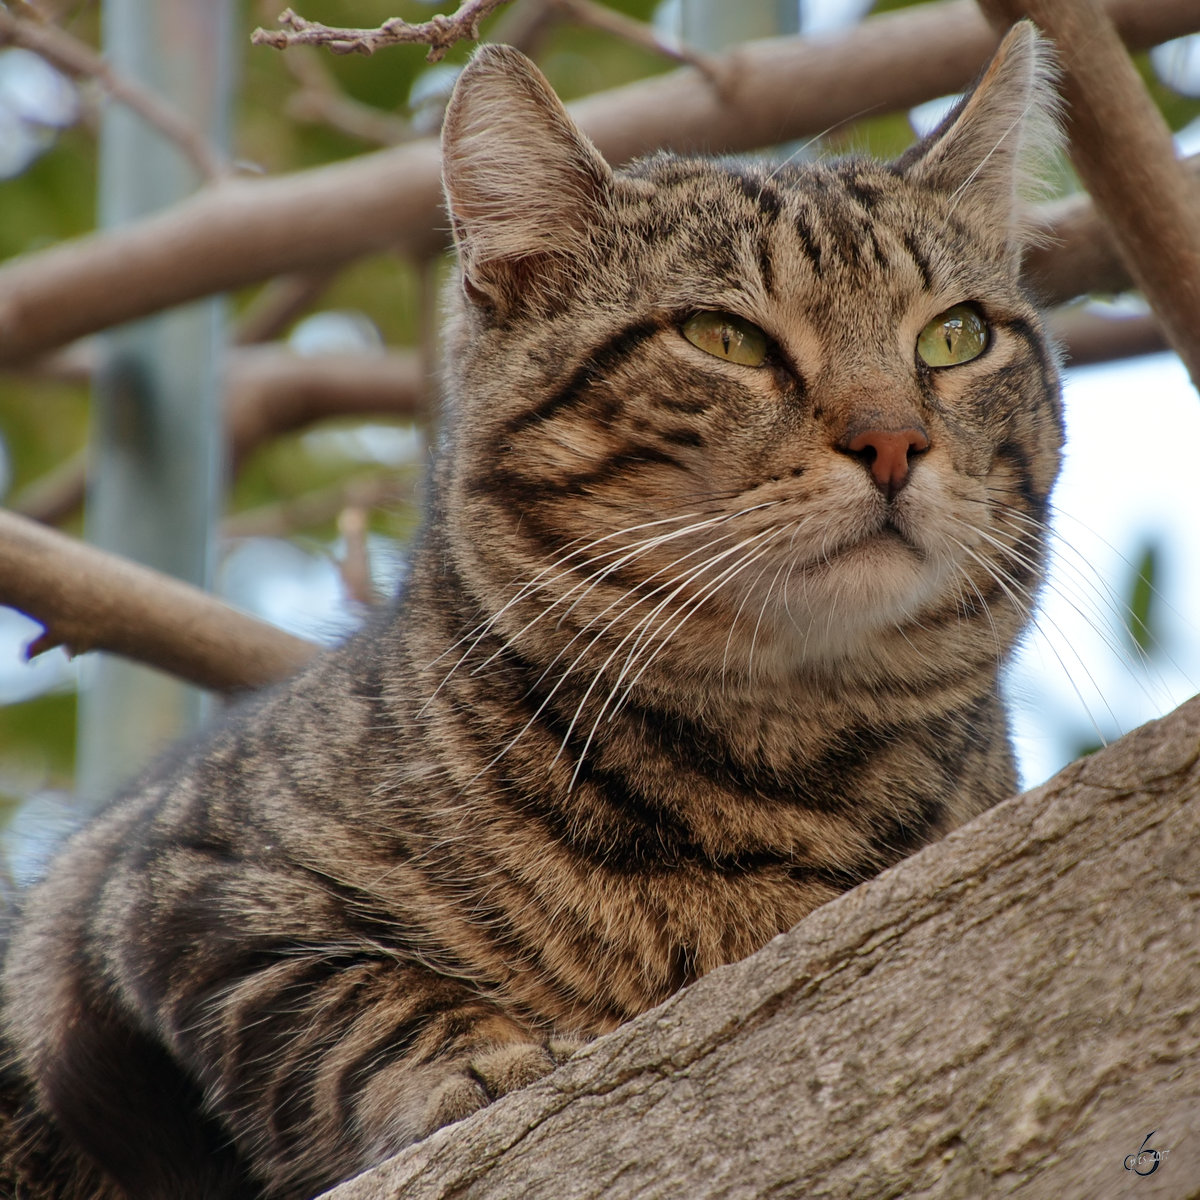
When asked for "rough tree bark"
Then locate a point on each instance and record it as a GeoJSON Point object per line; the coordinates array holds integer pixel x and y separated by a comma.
{"type": "Point", "coordinates": [1008, 1013]}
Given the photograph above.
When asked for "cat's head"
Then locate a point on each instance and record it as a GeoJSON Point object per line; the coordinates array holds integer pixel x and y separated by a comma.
{"type": "Point", "coordinates": [799, 409]}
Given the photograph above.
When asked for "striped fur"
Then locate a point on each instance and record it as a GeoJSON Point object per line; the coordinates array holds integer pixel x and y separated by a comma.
{"type": "Point", "coordinates": [671, 669]}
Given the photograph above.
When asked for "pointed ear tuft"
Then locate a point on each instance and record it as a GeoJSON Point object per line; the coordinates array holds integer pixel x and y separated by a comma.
{"type": "Point", "coordinates": [523, 185]}
{"type": "Point", "coordinates": [989, 152]}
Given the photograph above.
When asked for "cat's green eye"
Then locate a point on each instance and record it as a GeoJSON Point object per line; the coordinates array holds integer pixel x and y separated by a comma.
{"type": "Point", "coordinates": [955, 336]}
{"type": "Point", "coordinates": [728, 337]}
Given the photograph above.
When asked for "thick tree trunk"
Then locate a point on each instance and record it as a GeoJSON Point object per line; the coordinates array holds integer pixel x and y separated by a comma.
{"type": "Point", "coordinates": [1008, 1013]}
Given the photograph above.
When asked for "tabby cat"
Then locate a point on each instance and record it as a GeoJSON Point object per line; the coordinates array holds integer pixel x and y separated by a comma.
{"type": "Point", "coordinates": [737, 517]}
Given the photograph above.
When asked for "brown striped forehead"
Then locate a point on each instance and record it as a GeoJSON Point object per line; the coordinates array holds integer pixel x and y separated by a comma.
{"type": "Point", "coordinates": [850, 223]}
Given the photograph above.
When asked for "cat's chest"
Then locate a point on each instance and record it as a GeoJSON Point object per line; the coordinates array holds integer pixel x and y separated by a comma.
{"type": "Point", "coordinates": [606, 944]}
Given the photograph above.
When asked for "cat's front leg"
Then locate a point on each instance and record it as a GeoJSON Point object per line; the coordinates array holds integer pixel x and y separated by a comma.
{"type": "Point", "coordinates": [406, 1108]}
{"type": "Point", "coordinates": [323, 1068]}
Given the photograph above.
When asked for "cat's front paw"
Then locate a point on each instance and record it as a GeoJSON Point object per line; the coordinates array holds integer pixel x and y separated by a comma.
{"type": "Point", "coordinates": [490, 1072]}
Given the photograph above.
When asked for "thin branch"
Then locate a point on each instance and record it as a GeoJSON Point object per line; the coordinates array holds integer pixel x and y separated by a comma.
{"type": "Point", "coordinates": [287, 517]}
{"type": "Point", "coordinates": [112, 604]}
{"type": "Point", "coordinates": [269, 391]}
{"type": "Point", "coordinates": [1087, 337]}
{"type": "Point", "coordinates": [274, 391]}
{"type": "Point", "coordinates": [320, 101]}
{"type": "Point", "coordinates": [354, 566]}
{"type": "Point", "coordinates": [80, 61]}
{"type": "Point", "coordinates": [278, 304]}
{"type": "Point", "coordinates": [73, 364]}
{"type": "Point", "coordinates": [639, 33]}
{"type": "Point", "coordinates": [249, 230]}
{"type": "Point", "coordinates": [438, 33]}
{"type": "Point", "coordinates": [1124, 153]}
{"type": "Point", "coordinates": [57, 495]}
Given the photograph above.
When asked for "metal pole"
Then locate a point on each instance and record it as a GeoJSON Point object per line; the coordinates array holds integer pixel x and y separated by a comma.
{"type": "Point", "coordinates": [155, 454]}
{"type": "Point", "coordinates": [715, 24]}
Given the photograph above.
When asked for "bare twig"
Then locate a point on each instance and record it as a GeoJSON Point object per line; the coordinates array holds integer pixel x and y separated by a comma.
{"type": "Point", "coordinates": [1125, 156]}
{"type": "Point", "coordinates": [438, 33]}
{"type": "Point", "coordinates": [80, 61]}
{"type": "Point", "coordinates": [526, 25]}
{"type": "Point", "coordinates": [321, 101]}
{"type": "Point", "coordinates": [113, 604]}
{"type": "Point", "coordinates": [354, 566]}
{"type": "Point", "coordinates": [639, 33]}
{"type": "Point", "coordinates": [278, 304]}
{"type": "Point", "coordinates": [249, 230]}
{"type": "Point", "coordinates": [286, 517]}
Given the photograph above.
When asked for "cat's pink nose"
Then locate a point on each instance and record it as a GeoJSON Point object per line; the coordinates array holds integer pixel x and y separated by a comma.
{"type": "Point", "coordinates": [886, 453]}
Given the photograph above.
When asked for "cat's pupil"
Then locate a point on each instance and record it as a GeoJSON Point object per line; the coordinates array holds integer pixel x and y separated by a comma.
{"type": "Point", "coordinates": [727, 336]}
{"type": "Point", "coordinates": [953, 337]}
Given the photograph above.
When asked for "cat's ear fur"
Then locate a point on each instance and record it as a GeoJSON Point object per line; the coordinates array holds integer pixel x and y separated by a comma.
{"type": "Point", "coordinates": [989, 150]}
{"type": "Point", "coordinates": [524, 187]}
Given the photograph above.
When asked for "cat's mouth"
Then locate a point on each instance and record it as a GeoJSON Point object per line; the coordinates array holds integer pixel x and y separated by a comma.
{"type": "Point", "coordinates": [895, 531]}
{"type": "Point", "coordinates": [889, 532]}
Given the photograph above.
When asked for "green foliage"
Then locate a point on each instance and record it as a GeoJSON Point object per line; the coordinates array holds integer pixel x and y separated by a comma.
{"type": "Point", "coordinates": [41, 423]}
{"type": "Point", "coordinates": [1141, 613]}
{"type": "Point", "coordinates": [38, 740]}
{"type": "Point", "coordinates": [1179, 110]}
{"type": "Point", "coordinates": [53, 200]}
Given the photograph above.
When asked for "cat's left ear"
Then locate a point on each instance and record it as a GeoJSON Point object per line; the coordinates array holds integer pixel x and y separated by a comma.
{"type": "Point", "coordinates": [988, 151]}
{"type": "Point", "coordinates": [523, 185]}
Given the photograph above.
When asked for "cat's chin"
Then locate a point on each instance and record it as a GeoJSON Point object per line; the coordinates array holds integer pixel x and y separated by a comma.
{"type": "Point", "coordinates": [837, 606]}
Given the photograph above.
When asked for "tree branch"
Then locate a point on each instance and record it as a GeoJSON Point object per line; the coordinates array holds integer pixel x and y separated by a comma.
{"type": "Point", "coordinates": [439, 33]}
{"type": "Point", "coordinates": [1008, 1012]}
{"type": "Point", "coordinates": [278, 304]}
{"type": "Point", "coordinates": [249, 230]}
{"type": "Point", "coordinates": [285, 517]}
{"type": "Point", "coordinates": [1087, 338]}
{"type": "Point", "coordinates": [273, 391]}
{"type": "Point", "coordinates": [638, 33]}
{"type": "Point", "coordinates": [269, 391]}
{"type": "Point", "coordinates": [1125, 156]}
{"type": "Point", "coordinates": [89, 600]}
{"type": "Point", "coordinates": [320, 100]}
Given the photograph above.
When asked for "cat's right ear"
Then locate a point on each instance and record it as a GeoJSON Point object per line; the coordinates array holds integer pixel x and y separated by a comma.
{"type": "Point", "coordinates": [524, 186]}
{"type": "Point", "coordinates": [987, 154]}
